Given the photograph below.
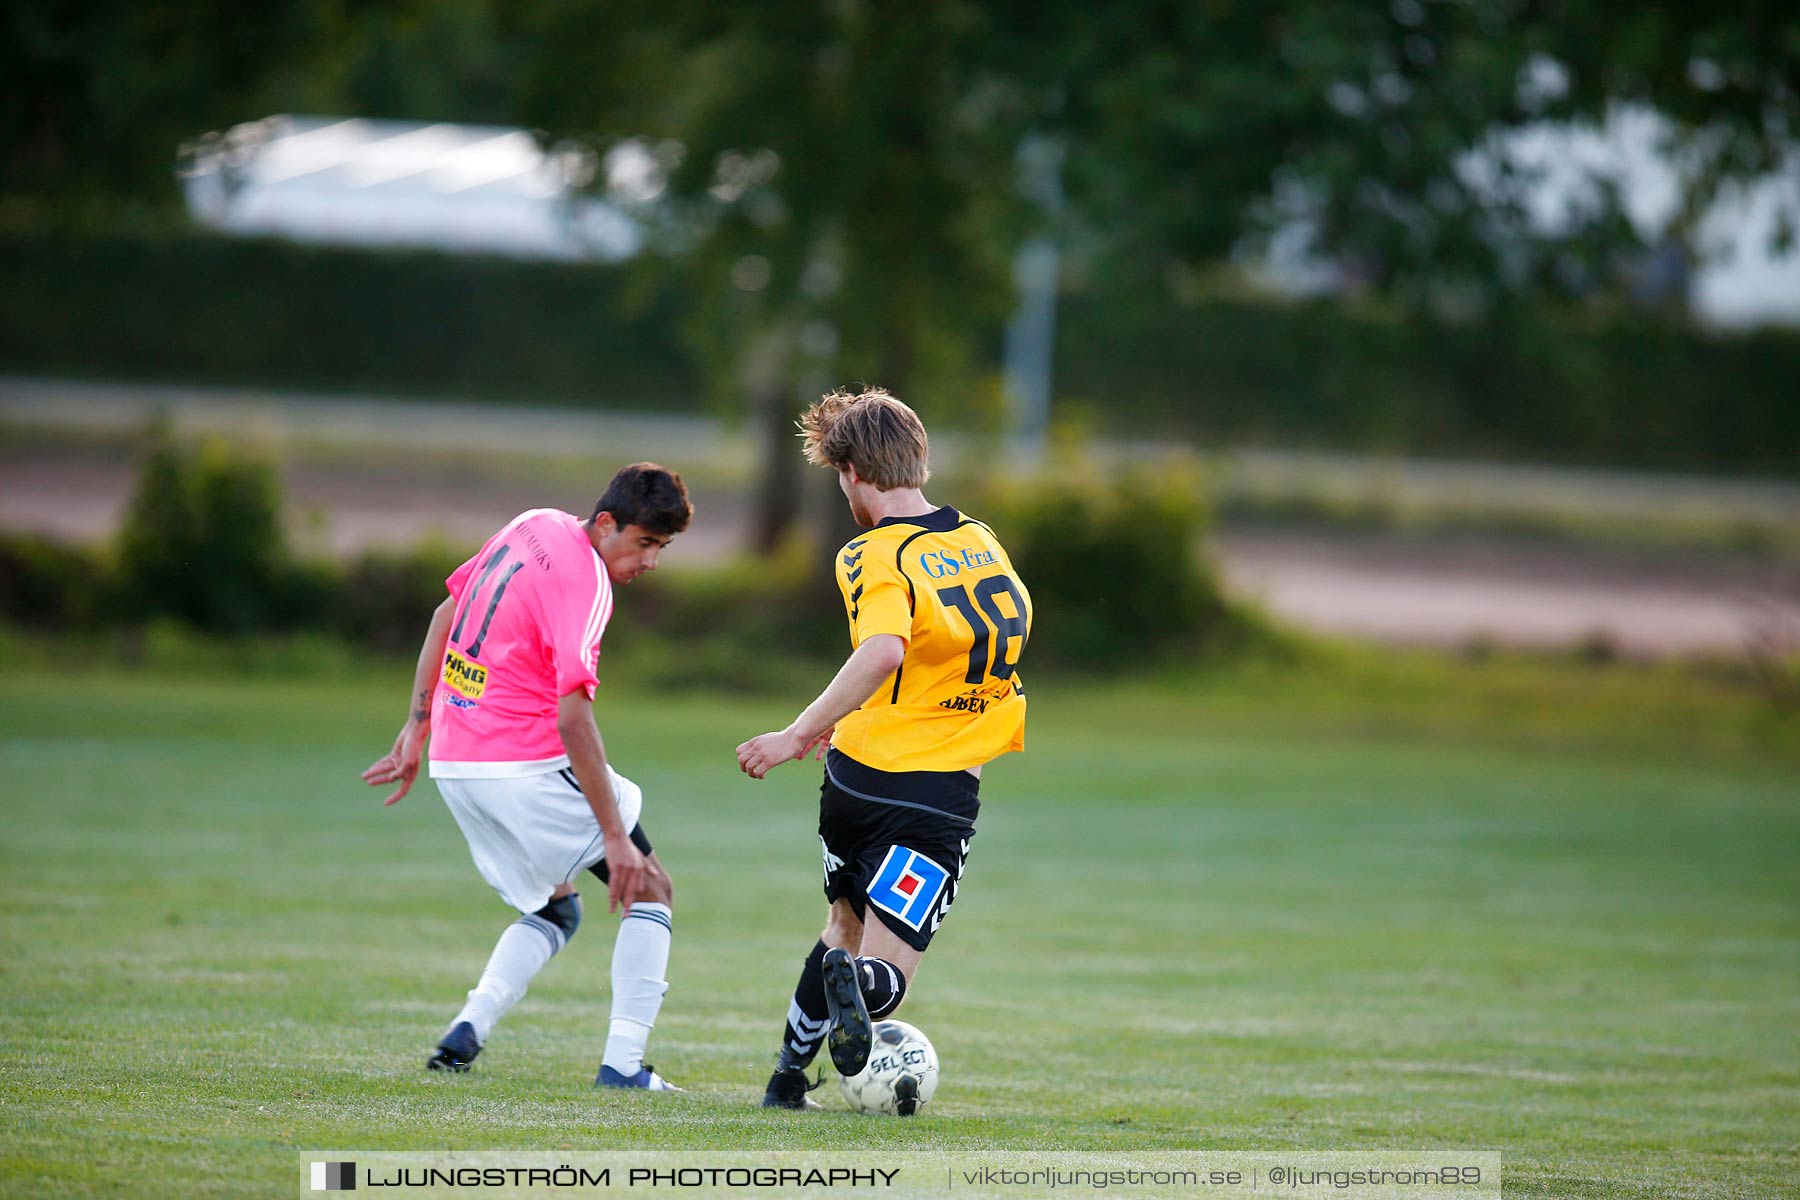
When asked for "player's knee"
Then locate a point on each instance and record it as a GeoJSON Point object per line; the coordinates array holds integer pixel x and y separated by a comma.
{"type": "Point", "coordinates": [564, 912]}
{"type": "Point", "coordinates": [842, 931]}
{"type": "Point", "coordinates": [883, 985]}
{"type": "Point", "coordinates": [655, 889]}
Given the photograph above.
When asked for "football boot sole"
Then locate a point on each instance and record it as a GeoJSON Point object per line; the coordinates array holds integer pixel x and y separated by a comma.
{"type": "Point", "coordinates": [851, 1031]}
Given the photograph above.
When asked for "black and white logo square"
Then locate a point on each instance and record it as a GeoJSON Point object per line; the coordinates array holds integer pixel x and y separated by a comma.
{"type": "Point", "coordinates": [334, 1177]}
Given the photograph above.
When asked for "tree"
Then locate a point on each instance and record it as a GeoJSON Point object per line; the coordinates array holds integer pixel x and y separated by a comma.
{"type": "Point", "coordinates": [1385, 126]}
{"type": "Point", "coordinates": [847, 168]}
{"type": "Point", "coordinates": [97, 96]}
{"type": "Point", "coordinates": [829, 190]}
{"type": "Point", "coordinates": [837, 177]}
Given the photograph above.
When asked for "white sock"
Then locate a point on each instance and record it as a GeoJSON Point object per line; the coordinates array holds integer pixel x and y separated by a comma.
{"type": "Point", "coordinates": [639, 962]}
{"type": "Point", "coordinates": [523, 949]}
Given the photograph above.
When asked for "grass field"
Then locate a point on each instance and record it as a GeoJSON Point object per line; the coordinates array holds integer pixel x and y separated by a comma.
{"type": "Point", "coordinates": [1255, 915]}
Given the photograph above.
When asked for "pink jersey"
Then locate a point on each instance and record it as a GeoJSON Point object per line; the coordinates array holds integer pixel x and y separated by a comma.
{"type": "Point", "coordinates": [530, 609]}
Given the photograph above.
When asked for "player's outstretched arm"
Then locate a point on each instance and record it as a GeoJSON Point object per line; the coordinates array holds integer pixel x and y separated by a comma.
{"type": "Point", "coordinates": [867, 668]}
{"type": "Point", "coordinates": [626, 865]}
{"type": "Point", "coordinates": [401, 764]}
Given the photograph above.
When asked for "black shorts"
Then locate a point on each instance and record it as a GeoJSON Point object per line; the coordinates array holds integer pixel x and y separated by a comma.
{"type": "Point", "coordinates": [638, 838]}
{"type": "Point", "coordinates": [895, 842]}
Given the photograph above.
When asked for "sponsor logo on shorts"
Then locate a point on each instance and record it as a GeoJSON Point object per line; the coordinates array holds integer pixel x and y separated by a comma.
{"type": "Point", "coordinates": [907, 886]}
{"type": "Point", "coordinates": [832, 861]}
{"type": "Point", "coordinates": [943, 910]}
{"type": "Point", "coordinates": [466, 677]}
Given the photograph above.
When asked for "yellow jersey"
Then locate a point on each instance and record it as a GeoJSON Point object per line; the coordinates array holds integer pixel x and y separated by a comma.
{"type": "Point", "coordinates": [943, 583]}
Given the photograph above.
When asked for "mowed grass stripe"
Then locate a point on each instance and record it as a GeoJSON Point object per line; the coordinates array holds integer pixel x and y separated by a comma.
{"type": "Point", "coordinates": [217, 947]}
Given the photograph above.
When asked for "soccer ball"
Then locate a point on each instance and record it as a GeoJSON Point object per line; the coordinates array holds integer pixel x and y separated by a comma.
{"type": "Point", "coordinates": [901, 1075]}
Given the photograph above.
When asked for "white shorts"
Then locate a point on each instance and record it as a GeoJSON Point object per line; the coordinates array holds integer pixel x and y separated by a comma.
{"type": "Point", "coordinates": [532, 834]}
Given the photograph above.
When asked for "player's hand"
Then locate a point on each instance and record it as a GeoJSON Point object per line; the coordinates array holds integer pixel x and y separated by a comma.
{"type": "Point", "coordinates": [819, 745]}
{"type": "Point", "coordinates": [626, 868]}
{"type": "Point", "coordinates": [766, 751]}
{"type": "Point", "coordinates": [401, 764]}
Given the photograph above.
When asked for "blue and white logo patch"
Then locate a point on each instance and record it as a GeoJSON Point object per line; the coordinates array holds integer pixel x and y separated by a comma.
{"type": "Point", "coordinates": [907, 885]}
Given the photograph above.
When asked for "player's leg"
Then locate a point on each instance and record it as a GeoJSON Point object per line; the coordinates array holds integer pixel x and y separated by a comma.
{"type": "Point", "coordinates": [910, 889]}
{"type": "Point", "coordinates": [808, 1012]}
{"type": "Point", "coordinates": [862, 987]}
{"type": "Point", "coordinates": [560, 835]}
{"type": "Point", "coordinates": [524, 948]}
{"type": "Point", "coordinates": [856, 974]}
{"type": "Point", "coordinates": [550, 914]}
{"type": "Point", "coordinates": [886, 967]}
{"type": "Point", "coordinates": [842, 827]}
{"type": "Point", "coordinates": [640, 965]}
{"type": "Point", "coordinates": [912, 837]}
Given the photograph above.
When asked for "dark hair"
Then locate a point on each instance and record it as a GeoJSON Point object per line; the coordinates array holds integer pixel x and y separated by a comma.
{"type": "Point", "coordinates": [647, 495]}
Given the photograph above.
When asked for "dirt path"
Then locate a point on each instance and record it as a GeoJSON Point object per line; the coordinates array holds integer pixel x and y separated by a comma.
{"type": "Point", "coordinates": [373, 472]}
{"type": "Point", "coordinates": [1460, 593]}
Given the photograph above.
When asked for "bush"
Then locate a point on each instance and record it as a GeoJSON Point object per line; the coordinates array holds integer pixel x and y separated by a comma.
{"type": "Point", "coordinates": [1114, 564]}
{"type": "Point", "coordinates": [752, 625]}
{"type": "Point", "coordinates": [203, 542]}
{"type": "Point", "coordinates": [384, 599]}
{"type": "Point", "coordinates": [45, 585]}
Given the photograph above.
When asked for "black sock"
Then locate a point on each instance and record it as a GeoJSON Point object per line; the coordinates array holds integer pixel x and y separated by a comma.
{"type": "Point", "coordinates": [807, 1014]}
{"type": "Point", "coordinates": [883, 986]}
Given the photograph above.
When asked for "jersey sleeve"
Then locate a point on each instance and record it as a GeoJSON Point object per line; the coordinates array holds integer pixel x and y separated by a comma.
{"type": "Point", "coordinates": [576, 619]}
{"type": "Point", "coordinates": [877, 598]}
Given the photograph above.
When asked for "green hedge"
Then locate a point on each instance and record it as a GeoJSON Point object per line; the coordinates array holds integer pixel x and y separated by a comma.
{"type": "Point", "coordinates": [1626, 392]}
{"type": "Point", "coordinates": [198, 308]}
{"type": "Point", "coordinates": [1113, 562]}
{"type": "Point", "coordinates": [1583, 390]}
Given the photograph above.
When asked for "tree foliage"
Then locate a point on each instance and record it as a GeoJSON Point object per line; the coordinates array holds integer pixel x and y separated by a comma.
{"type": "Point", "coordinates": [98, 96]}
{"type": "Point", "coordinates": [865, 150]}
{"type": "Point", "coordinates": [883, 138]}
{"type": "Point", "coordinates": [825, 177]}
{"type": "Point", "coordinates": [842, 177]}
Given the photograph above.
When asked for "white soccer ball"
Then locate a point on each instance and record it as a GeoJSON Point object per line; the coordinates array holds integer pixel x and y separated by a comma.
{"type": "Point", "coordinates": [902, 1073]}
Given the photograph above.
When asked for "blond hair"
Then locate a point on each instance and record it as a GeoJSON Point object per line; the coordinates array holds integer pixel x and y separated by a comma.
{"type": "Point", "coordinates": [871, 430]}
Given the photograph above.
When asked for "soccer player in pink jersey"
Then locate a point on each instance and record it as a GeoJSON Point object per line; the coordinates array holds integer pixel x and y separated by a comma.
{"type": "Point", "coordinates": [504, 693]}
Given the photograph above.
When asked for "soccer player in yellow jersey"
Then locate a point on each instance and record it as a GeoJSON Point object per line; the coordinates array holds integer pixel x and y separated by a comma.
{"type": "Point", "coordinates": [930, 692]}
